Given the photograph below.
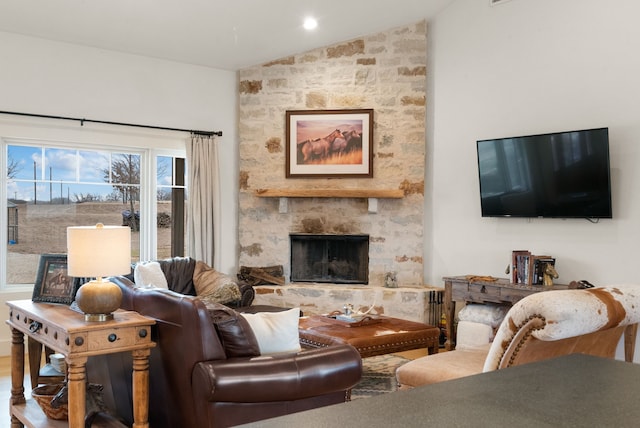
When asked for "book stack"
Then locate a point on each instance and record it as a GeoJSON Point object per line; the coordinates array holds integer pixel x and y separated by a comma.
{"type": "Point", "coordinates": [527, 268]}
{"type": "Point", "coordinates": [58, 363]}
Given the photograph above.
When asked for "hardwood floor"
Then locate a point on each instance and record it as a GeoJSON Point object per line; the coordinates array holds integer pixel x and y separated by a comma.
{"type": "Point", "coordinates": [412, 355]}
{"type": "Point", "coordinates": [5, 366]}
{"type": "Point", "coordinates": [5, 390]}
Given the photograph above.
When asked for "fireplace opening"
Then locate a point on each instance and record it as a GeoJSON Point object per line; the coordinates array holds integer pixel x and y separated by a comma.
{"type": "Point", "coordinates": [341, 259]}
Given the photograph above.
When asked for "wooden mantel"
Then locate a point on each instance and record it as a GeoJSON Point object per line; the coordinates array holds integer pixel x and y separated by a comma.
{"type": "Point", "coordinates": [371, 194]}
{"type": "Point", "coordinates": [331, 193]}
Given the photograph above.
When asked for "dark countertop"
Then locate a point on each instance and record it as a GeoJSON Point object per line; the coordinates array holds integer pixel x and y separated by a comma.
{"type": "Point", "coordinates": [570, 391]}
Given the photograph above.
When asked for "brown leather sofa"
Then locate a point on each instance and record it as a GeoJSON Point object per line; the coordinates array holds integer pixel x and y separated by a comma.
{"type": "Point", "coordinates": [204, 371]}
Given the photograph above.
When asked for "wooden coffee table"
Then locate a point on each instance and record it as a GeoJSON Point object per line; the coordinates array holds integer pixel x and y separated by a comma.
{"type": "Point", "coordinates": [382, 335]}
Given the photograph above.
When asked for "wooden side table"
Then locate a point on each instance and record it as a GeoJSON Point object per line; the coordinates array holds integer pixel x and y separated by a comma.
{"type": "Point", "coordinates": [66, 332]}
{"type": "Point", "coordinates": [470, 290]}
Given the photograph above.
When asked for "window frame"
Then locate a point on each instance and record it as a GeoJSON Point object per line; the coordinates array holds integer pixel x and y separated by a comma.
{"type": "Point", "coordinates": [148, 144]}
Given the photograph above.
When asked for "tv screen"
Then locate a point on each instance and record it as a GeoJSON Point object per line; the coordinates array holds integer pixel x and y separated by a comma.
{"type": "Point", "coordinates": [563, 174]}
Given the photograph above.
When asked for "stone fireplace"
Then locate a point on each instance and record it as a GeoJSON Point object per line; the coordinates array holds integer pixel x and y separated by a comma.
{"type": "Point", "coordinates": [337, 259]}
{"type": "Point", "coordinates": [387, 73]}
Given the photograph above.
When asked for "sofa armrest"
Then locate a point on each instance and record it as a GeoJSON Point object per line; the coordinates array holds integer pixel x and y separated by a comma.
{"type": "Point", "coordinates": [174, 313]}
{"type": "Point", "coordinates": [278, 378]}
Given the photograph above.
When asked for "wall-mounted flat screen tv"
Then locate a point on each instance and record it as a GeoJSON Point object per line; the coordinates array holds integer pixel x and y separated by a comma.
{"type": "Point", "coordinates": [562, 175]}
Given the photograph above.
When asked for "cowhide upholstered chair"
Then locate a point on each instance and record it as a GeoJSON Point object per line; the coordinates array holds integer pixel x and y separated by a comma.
{"type": "Point", "coordinates": [542, 326]}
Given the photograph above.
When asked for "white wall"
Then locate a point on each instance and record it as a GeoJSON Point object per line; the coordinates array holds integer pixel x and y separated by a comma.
{"type": "Point", "coordinates": [524, 67]}
{"type": "Point", "coordinates": [44, 77]}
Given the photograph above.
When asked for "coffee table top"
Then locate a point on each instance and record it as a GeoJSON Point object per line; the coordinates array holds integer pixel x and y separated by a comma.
{"type": "Point", "coordinates": [380, 324]}
{"type": "Point", "coordinates": [382, 335]}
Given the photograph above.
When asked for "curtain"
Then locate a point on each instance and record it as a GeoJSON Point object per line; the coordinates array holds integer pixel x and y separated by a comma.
{"type": "Point", "coordinates": [203, 201]}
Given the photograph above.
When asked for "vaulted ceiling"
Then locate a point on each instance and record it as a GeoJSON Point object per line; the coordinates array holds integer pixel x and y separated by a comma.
{"type": "Point", "coordinates": [223, 34]}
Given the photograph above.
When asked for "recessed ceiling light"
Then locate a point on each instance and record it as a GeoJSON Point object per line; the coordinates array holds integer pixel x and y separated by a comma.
{"type": "Point", "coordinates": [310, 23]}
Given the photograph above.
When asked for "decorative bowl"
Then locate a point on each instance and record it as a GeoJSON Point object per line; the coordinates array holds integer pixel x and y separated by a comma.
{"type": "Point", "coordinates": [44, 394]}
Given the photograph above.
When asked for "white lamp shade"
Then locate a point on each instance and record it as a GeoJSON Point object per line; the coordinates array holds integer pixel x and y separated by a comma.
{"type": "Point", "coordinates": [98, 251]}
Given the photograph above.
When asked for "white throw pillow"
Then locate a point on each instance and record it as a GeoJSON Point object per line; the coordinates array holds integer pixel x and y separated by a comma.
{"type": "Point", "coordinates": [276, 332]}
{"type": "Point", "coordinates": [148, 274]}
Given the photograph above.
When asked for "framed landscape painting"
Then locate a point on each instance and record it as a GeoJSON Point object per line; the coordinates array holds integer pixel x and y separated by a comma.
{"type": "Point", "coordinates": [53, 284]}
{"type": "Point", "coordinates": [329, 143]}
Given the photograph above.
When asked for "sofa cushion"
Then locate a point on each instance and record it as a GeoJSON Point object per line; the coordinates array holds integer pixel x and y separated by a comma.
{"type": "Point", "coordinates": [149, 274]}
{"type": "Point", "coordinates": [276, 332]}
{"type": "Point", "coordinates": [234, 331]}
{"type": "Point", "coordinates": [214, 286]}
{"type": "Point", "coordinates": [179, 274]}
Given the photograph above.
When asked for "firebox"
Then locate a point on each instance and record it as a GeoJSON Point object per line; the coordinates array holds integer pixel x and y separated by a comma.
{"type": "Point", "coordinates": [340, 259]}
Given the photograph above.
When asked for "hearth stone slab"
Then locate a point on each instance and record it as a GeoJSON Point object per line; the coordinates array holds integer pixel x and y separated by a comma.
{"type": "Point", "coordinates": [409, 303]}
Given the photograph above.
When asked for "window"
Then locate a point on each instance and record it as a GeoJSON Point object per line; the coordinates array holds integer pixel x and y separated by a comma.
{"type": "Point", "coordinates": [50, 186]}
{"type": "Point", "coordinates": [170, 206]}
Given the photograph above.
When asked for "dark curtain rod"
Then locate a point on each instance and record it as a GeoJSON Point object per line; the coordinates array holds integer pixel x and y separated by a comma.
{"type": "Point", "coordinates": [82, 122]}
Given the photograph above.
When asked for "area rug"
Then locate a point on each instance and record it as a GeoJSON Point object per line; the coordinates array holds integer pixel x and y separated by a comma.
{"type": "Point", "coordinates": [378, 376]}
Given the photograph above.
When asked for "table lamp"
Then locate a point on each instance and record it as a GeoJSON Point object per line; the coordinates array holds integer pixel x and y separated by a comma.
{"type": "Point", "coordinates": [95, 252]}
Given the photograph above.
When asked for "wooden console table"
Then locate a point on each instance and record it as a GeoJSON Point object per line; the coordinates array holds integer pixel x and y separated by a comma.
{"type": "Point", "coordinates": [469, 290]}
{"type": "Point", "coordinates": [65, 331]}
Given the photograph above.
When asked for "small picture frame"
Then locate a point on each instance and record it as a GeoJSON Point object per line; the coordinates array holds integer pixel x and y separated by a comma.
{"type": "Point", "coordinates": [329, 143]}
{"type": "Point", "coordinates": [53, 284]}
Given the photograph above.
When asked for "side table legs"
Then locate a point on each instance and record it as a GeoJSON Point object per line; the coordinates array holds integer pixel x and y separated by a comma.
{"type": "Point", "coordinates": [17, 373]}
{"type": "Point", "coordinates": [76, 385]}
{"type": "Point", "coordinates": [141, 388]}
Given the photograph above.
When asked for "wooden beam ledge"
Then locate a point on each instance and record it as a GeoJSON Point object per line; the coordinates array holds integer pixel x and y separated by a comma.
{"type": "Point", "coordinates": [330, 193]}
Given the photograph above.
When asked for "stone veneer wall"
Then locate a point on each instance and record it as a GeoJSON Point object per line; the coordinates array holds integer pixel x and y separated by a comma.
{"type": "Point", "coordinates": [385, 72]}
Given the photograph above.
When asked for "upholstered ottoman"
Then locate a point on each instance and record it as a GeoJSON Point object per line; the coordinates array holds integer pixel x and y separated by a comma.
{"type": "Point", "coordinates": [382, 335]}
